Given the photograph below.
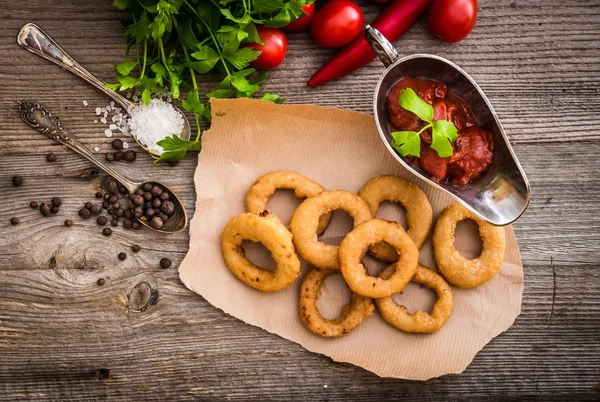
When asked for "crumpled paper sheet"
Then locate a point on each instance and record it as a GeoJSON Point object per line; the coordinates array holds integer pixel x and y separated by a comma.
{"type": "Point", "coordinates": [340, 150]}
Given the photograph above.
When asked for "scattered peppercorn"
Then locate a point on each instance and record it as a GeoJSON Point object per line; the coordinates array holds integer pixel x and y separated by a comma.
{"type": "Point", "coordinates": [105, 204]}
{"type": "Point", "coordinates": [118, 155]}
{"type": "Point", "coordinates": [130, 155]}
{"type": "Point", "coordinates": [135, 248]}
{"type": "Point", "coordinates": [101, 220]}
{"type": "Point", "coordinates": [54, 210]}
{"type": "Point", "coordinates": [98, 194]}
{"type": "Point", "coordinates": [109, 156]}
{"type": "Point", "coordinates": [123, 190]}
{"type": "Point", "coordinates": [51, 157]}
{"type": "Point", "coordinates": [14, 221]}
{"type": "Point", "coordinates": [135, 225]}
{"type": "Point", "coordinates": [56, 201]}
{"type": "Point", "coordinates": [128, 213]}
{"type": "Point", "coordinates": [84, 213]}
{"type": "Point", "coordinates": [138, 200]}
{"type": "Point", "coordinates": [120, 212]}
{"type": "Point", "coordinates": [17, 181]}
{"type": "Point", "coordinates": [45, 209]}
{"type": "Point", "coordinates": [173, 163]}
{"type": "Point", "coordinates": [114, 199]}
{"type": "Point", "coordinates": [106, 231]}
{"type": "Point", "coordinates": [101, 281]}
{"type": "Point", "coordinates": [88, 205]}
{"type": "Point", "coordinates": [122, 256]}
{"type": "Point", "coordinates": [68, 222]}
{"type": "Point", "coordinates": [33, 204]}
{"type": "Point", "coordinates": [114, 222]}
{"type": "Point", "coordinates": [96, 209]}
{"type": "Point", "coordinates": [112, 186]}
{"type": "Point", "coordinates": [165, 263]}
{"type": "Point", "coordinates": [127, 223]}
{"type": "Point", "coordinates": [138, 212]}
{"type": "Point", "coordinates": [156, 222]}
{"type": "Point", "coordinates": [110, 211]}
{"type": "Point", "coordinates": [168, 208]}
{"type": "Point", "coordinates": [106, 196]}
{"type": "Point", "coordinates": [117, 144]}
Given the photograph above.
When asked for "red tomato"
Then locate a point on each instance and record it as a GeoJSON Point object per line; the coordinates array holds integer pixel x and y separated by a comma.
{"type": "Point", "coordinates": [381, 1]}
{"type": "Point", "coordinates": [302, 22]}
{"type": "Point", "coordinates": [273, 51]}
{"type": "Point", "coordinates": [452, 20]}
{"type": "Point", "coordinates": [337, 23]}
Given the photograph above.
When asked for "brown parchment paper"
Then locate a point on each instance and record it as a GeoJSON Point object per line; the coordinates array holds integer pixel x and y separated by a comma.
{"type": "Point", "coordinates": [340, 150]}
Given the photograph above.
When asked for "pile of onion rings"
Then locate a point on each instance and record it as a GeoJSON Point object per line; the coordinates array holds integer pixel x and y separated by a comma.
{"type": "Point", "coordinates": [384, 240]}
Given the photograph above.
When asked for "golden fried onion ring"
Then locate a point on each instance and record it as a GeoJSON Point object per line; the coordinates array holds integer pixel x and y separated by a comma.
{"type": "Point", "coordinates": [358, 309]}
{"type": "Point", "coordinates": [418, 210]}
{"type": "Point", "coordinates": [458, 270]}
{"type": "Point", "coordinates": [268, 230]}
{"type": "Point", "coordinates": [264, 187]}
{"type": "Point", "coordinates": [354, 247]}
{"type": "Point", "coordinates": [305, 221]}
{"type": "Point", "coordinates": [420, 321]}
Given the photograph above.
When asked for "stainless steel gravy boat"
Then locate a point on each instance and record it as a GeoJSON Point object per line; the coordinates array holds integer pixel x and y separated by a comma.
{"type": "Point", "coordinates": [502, 193]}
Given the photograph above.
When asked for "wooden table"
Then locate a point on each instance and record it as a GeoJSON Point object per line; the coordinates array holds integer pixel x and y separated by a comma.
{"type": "Point", "coordinates": [143, 335]}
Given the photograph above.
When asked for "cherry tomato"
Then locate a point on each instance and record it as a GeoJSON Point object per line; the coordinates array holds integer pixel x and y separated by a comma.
{"type": "Point", "coordinates": [273, 51]}
{"type": "Point", "coordinates": [302, 22]}
{"type": "Point", "coordinates": [452, 20]}
{"type": "Point", "coordinates": [337, 23]}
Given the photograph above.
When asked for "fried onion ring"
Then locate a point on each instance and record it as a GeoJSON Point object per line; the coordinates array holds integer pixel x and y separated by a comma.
{"type": "Point", "coordinates": [268, 230]}
{"type": "Point", "coordinates": [418, 210]}
{"type": "Point", "coordinates": [353, 313]}
{"type": "Point", "coordinates": [354, 247]}
{"type": "Point", "coordinates": [420, 321]}
{"type": "Point", "coordinates": [458, 270]}
{"type": "Point", "coordinates": [305, 221]}
{"type": "Point", "coordinates": [264, 187]}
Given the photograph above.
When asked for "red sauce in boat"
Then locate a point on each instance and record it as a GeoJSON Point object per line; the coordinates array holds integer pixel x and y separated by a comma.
{"type": "Point", "coordinates": [474, 146]}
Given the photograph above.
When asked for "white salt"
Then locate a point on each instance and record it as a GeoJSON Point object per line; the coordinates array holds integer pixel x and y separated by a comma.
{"type": "Point", "coordinates": [108, 132]}
{"type": "Point", "coordinates": [103, 120]}
{"type": "Point", "coordinates": [98, 111]}
{"type": "Point", "coordinates": [125, 145]}
{"type": "Point", "coordinates": [85, 103]}
{"type": "Point", "coordinates": [96, 149]}
{"type": "Point", "coordinates": [135, 98]}
{"type": "Point", "coordinates": [113, 126]}
{"type": "Point", "coordinates": [154, 122]}
{"type": "Point", "coordinates": [95, 121]}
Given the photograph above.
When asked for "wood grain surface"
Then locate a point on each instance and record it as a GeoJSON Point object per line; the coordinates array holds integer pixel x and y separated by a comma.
{"type": "Point", "coordinates": [143, 336]}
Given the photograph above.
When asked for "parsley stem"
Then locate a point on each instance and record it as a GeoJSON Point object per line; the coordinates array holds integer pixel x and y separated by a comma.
{"type": "Point", "coordinates": [425, 128]}
{"type": "Point", "coordinates": [144, 63]}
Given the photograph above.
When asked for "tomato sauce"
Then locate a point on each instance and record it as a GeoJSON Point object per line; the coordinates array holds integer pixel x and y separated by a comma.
{"type": "Point", "coordinates": [472, 150]}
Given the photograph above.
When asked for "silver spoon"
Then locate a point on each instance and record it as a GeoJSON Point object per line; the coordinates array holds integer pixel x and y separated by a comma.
{"type": "Point", "coordinates": [502, 193]}
{"type": "Point", "coordinates": [39, 118]}
{"type": "Point", "coordinates": [32, 38]}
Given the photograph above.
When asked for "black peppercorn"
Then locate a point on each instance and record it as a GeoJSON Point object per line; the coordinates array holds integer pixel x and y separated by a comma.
{"type": "Point", "coordinates": [164, 217]}
{"type": "Point", "coordinates": [68, 222]}
{"type": "Point", "coordinates": [148, 204]}
{"type": "Point", "coordinates": [117, 144]}
{"type": "Point", "coordinates": [156, 190]}
{"type": "Point", "coordinates": [118, 155]}
{"type": "Point", "coordinates": [114, 222]}
{"type": "Point", "coordinates": [54, 210]}
{"type": "Point", "coordinates": [123, 190]}
{"type": "Point", "coordinates": [127, 223]}
{"type": "Point", "coordinates": [165, 263]}
{"type": "Point", "coordinates": [33, 204]}
{"type": "Point", "coordinates": [96, 209]}
{"type": "Point", "coordinates": [135, 225]}
{"type": "Point", "coordinates": [156, 222]}
{"type": "Point", "coordinates": [116, 205]}
{"type": "Point", "coordinates": [14, 221]}
{"type": "Point", "coordinates": [168, 207]}
{"type": "Point", "coordinates": [106, 196]}
{"type": "Point", "coordinates": [101, 220]}
{"type": "Point", "coordinates": [88, 205]}
{"type": "Point", "coordinates": [147, 187]}
{"type": "Point", "coordinates": [101, 281]}
{"type": "Point", "coordinates": [51, 157]}
{"type": "Point", "coordinates": [45, 209]}
{"type": "Point", "coordinates": [140, 192]}
{"type": "Point", "coordinates": [135, 248]}
{"type": "Point", "coordinates": [105, 204]}
{"type": "Point", "coordinates": [115, 216]}
{"type": "Point", "coordinates": [138, 212]}
{"type": "Point", "coordinates": [84, 213]}
{"type": "Point", "coordinates": [128, 213]}
{"type": "Point", "coordinates": [148, 196]}
{"type": "Point", "coordinates": [56, 201]}
{"type": "Point", "coordinates": [114, 199]}
{"type": "Point", "coordinates": [106, 231]}
{"type": "Point", "coordinates": [173, 163]}
{"type": "Point", "coordinates": [122, 256]}
{"type": "Point", "coordinates": [112, 186]}
{"type": "Point", "coordinates": [17, 181]}
{"type": "Point", "coordinates": [164, 196]}
{"type": "Point", "coordinates": [98, 194]}
{"type": "Point", "coordinates": [156, 203]}
{"type": "Point", "coordinates": [111, 211]}
{"type": "Point", "coordinates": [109, 156]}
{"type": "Point", "coordinates": [120, 212]}
{"type": "Point", "coordinates": [150, 213]}
{"type": "Point", "coordinates": [130, 155]}
{"type": "Point", "coordinates": [138, 200]}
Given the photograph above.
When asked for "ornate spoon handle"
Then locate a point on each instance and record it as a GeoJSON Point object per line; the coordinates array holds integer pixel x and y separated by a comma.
{"type": "Point", "coordinates": [46, 123]}
{"type": "Point", "coordinates": [32, 38]}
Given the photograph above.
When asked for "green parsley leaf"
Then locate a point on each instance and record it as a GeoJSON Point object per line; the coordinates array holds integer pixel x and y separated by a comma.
{"type": "Point", "coordinates": [160, 72]}
{"type": "Point", "coordinates": [239, 57]}
{"type": "Point", "coordinates": [273, 98]}
{"type": "Point", "coordinates": [207, 59]}
{"type": "Point", "coordinates": [187, 37]}
{"type": "Point", "coordinates": [192, 103]}
{"type": "Point", "coordinates": [443, 133]}
{"type": "Point", "coordinates": [175, 148]}
{"type": "Point", "coordinates": [126, 67]}
{"type": "Point", "coordinates": [253, 34]}
{"type": "Point", "coordinates": [410, 101]}
{"type": "Point", "coordinates": [407, 143]}
{"type": "Point", "coordinates": [121, 4]}
{"type": "Point", "coordinates": [139, 31]}
{"type": "Point", "coordinates": [127, 81]}
{"type": "Point", "coordinates": [268, 6]}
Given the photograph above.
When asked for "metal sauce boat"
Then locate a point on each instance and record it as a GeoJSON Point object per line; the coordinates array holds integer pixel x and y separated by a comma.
{"type": "Point", "coordinates": [501, 194]}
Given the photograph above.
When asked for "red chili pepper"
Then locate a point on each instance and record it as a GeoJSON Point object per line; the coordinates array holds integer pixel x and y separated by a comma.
{"type": "Point", "coordinates": [392, 23]}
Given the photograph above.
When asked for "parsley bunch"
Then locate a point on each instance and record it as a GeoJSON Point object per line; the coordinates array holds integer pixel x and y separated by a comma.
{"type": "Point", "coordinates": [175, 40]}
{"type": "Point", "coordinates": [443, 132]}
